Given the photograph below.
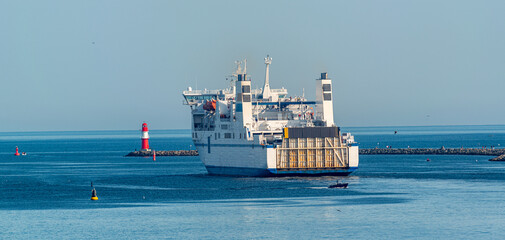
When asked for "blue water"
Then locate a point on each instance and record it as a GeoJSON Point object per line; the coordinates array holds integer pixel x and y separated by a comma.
{"type": "Point", "coordinates": [45, 195]}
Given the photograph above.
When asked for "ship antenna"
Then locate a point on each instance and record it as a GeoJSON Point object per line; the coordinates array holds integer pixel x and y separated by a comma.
{"type": "Point", "coordinates": [266, 88]}
{"type": "Point", "coordinates": [239, 68]}
{"type": "Point", "coordinates": [245, 67]}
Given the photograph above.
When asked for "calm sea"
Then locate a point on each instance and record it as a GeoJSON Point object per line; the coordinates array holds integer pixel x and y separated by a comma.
{"type": "Point", "coordinates": [46, 194]}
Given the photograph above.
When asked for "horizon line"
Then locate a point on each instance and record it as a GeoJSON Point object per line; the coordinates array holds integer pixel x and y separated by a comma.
{"type": "Point", "coordinates": [384, 126]}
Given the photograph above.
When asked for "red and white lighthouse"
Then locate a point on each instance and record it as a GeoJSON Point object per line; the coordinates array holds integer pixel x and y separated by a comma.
{"type": "Point", "coordinates": [145, 138]}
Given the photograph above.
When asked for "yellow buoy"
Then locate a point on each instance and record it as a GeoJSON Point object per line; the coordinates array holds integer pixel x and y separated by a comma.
{"type": "Point", "coordinates": [93, 195]}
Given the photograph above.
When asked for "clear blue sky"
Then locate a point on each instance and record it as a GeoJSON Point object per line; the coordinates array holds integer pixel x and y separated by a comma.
{"type": "Point", "coordinates": [92, 65]}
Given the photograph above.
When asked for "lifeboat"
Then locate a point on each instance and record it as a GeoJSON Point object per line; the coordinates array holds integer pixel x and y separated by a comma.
{"type": "Point", "coordinates": [210, 105]}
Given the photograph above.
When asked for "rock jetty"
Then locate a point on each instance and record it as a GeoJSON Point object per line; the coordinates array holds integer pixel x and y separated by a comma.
{"type": "Point", "coordinates": [437, 151]}
{"type": "Point", "coordinates": [500, 153]}
{"type": "Point", "coordinates": [499, 158]}
{"type": "Point", "coordinates": [163, 153]}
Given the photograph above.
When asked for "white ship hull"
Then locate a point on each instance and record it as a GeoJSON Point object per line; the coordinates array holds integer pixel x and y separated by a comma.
{"type": "Point", "coordinates": [245, 159]}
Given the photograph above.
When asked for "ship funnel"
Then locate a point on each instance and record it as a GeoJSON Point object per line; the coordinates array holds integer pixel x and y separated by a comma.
{"type": "Point", "coordinates": [324, 103]}
{"type": "Point", "coordinates": [242, 77]}
{"type": "Point", "coordinates": [243, 107]}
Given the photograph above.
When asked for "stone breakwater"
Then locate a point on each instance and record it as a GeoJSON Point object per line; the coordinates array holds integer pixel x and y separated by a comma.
{"type": "Point", "coordinates": [499, 158]}
{"type": "Point", "coordinates": [500, 153]}
{"type": "Point", "coordinates": [436, 151]}
{"type": "Point", "coordinates": [163, 153]}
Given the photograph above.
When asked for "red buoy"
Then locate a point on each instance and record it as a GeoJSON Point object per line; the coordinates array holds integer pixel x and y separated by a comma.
{"type": "Point", "coordinates": [17, 152]}
{"type": "Point", "coordinates": [145, 137]}
{"type": "Point", "coordinates": [154, 155]}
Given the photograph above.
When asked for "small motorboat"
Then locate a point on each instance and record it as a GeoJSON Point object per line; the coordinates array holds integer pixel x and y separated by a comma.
{"type": "Point", "coordinates": [339, 185]}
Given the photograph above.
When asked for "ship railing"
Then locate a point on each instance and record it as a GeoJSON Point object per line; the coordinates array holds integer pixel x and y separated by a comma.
{"type": "Point", "coordinates": [204, 91]}
{"type": "Point", "coordinates": [205, 128]}
{"type": "Point", "coordinates": [279, 90]}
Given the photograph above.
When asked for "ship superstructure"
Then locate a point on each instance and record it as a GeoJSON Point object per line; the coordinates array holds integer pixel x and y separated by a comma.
{"type": "Point", "coordinates": [263, 132]}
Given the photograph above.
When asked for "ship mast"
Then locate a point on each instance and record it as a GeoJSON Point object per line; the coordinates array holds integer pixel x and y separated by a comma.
{"type": "Point", "coordinates": [266, 94]}
{"type": "Point", "coordinates": [239, 71]}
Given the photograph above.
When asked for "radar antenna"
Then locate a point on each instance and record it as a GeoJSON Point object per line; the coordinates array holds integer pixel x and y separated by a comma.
{"type": "Point", "coordinates": [240, 69]}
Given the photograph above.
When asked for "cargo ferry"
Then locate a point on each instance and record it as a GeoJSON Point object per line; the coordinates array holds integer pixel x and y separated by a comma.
{"type": "Point", "coordinates": [241, 131]}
